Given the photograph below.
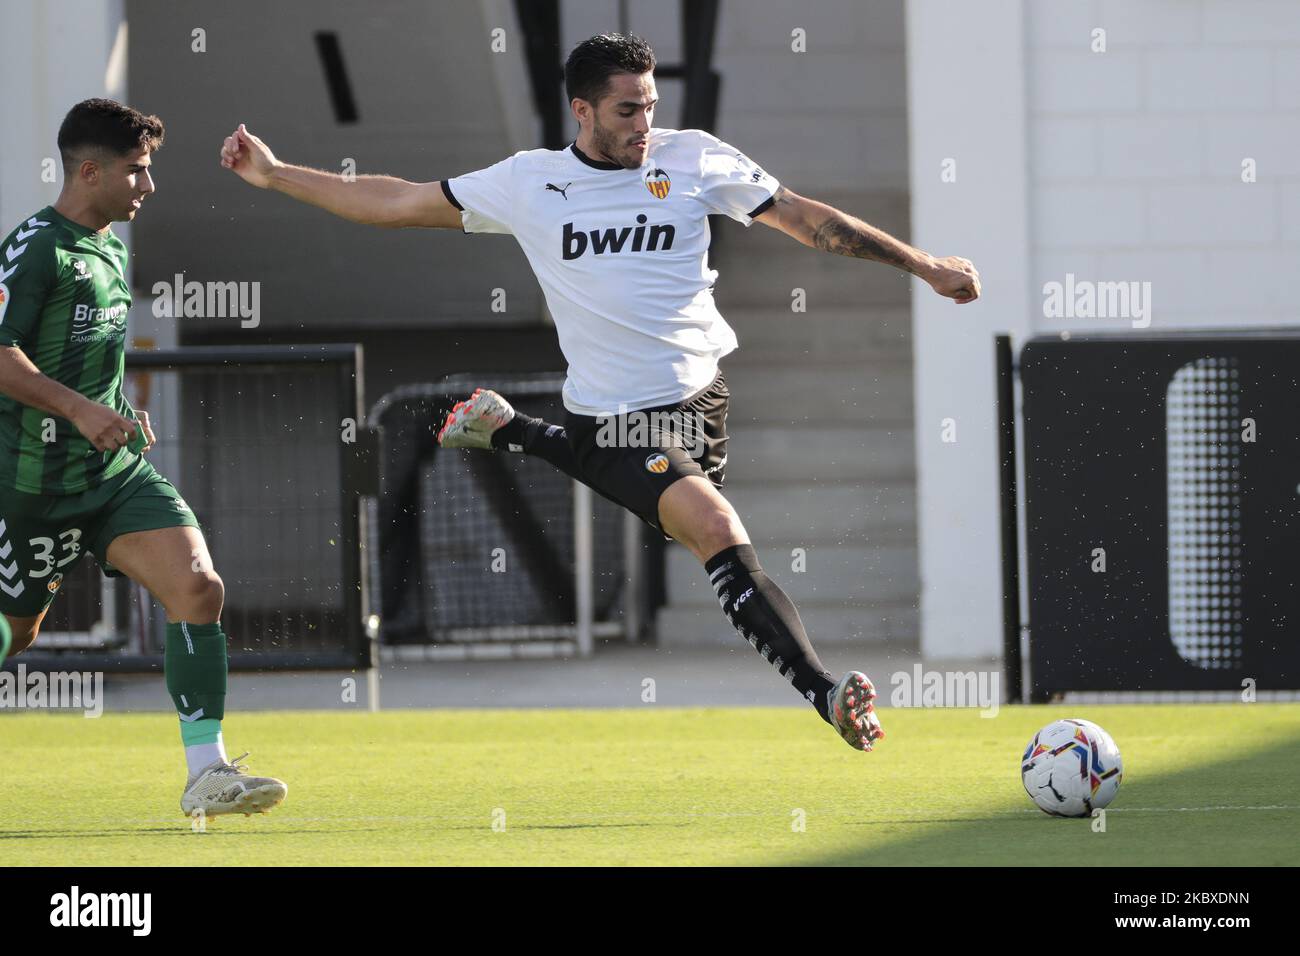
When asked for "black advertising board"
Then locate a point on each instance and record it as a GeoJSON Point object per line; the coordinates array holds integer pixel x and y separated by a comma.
{"type": "Point", "coordinates": [1162, 493]}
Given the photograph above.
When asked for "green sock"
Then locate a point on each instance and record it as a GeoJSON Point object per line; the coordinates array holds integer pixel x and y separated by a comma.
{"type": "Point", "coordinates": [194, 664]}
{"type": "Point", "coordinates": [196, 732]}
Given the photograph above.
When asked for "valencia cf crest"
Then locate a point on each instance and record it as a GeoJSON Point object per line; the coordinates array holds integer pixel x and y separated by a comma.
{"type": "Point", "coordinates": [657, 181]}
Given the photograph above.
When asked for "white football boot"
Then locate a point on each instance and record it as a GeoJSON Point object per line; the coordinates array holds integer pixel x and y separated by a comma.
{"type": "Point", "coordinates": [225, 788]}
{"type": "Point", "coordinates": [852, 712]}
{"type": "Point", "coordinates": [470, 423]}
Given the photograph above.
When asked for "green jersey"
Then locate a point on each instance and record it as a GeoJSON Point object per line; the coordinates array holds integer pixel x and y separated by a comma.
{"type": "Point", "coordinates": [63, 302]}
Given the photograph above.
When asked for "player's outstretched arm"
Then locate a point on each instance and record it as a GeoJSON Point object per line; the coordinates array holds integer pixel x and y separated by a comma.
{"type": "Point", "coordinates": [824, 227]}
{"type": "Point", "coordinates": [100, 425]}
{"type": "Point", "coordinates": [371, 200]}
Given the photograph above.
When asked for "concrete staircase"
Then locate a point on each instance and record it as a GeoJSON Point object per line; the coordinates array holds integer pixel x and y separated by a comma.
{"type": "Point", "coordinates": [821, 456]}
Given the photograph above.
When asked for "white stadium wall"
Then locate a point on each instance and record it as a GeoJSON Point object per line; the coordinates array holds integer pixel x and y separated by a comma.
{"type": "Point", "coordinates": [967, 118]}
{"type": "Point", "coordinates": [55, 55]}
{"type": "Point", "coordinates": [1109, 157]}
{"type": "Point", "coordinates": [1137, 156]}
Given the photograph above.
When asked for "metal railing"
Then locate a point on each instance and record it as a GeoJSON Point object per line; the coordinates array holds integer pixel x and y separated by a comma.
{"type": "Point", "coordinates": [494, 554]}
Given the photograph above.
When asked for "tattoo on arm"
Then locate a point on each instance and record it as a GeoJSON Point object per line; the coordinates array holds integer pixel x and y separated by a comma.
{"type": "Point", "coordinates": [830, 230]}
{"type": "Point", "coordinates": [847, 237]}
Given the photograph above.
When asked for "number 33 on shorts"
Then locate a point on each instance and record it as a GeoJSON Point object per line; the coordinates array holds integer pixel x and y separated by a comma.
{"type": "Point", "coordinates": [43, 536]}
{"type": "Point", "coordinates": [43, 553]}
{"type": "Point", "coordinates": [22, 574]}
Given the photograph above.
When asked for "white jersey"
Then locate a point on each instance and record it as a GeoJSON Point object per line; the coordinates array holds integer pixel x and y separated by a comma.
{"type": "Point", "coordinates": [622, 257]}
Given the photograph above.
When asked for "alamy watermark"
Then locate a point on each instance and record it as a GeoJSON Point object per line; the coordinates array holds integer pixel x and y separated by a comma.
{"type": "Point", "coordinates": [653, 429]}
{"type": "Point", "coordinates": [52, 690]}
{"type": "Point", "coordinates": [75, 908]}
{"type": "Point", "coordinates": [209, 300]}
{"type": "Point", "coordinates": [921, 688]}
{"type": "Point", "coordinates": [1084, 299]}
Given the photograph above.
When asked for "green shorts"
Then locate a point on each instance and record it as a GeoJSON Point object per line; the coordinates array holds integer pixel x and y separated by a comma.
{"type": "Point", "coordinates": [42, 537]}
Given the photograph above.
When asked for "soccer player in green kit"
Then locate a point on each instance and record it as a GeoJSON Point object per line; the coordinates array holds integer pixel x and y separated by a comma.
{"type": "Point", "coordinates": [72, 474]}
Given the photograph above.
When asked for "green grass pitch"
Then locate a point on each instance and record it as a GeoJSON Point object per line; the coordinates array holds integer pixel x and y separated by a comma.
{"type": "Point", "coordinates": [1205, 785]}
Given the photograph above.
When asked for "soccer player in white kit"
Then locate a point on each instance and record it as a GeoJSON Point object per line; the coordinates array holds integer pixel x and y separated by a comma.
{"type": "Point", "coordinates": [616, 230]}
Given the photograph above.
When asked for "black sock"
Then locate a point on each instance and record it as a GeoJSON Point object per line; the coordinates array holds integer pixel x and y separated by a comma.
{"type": "Point", "coordinates": [514, 432]}
{"type": "Point", "coordinates": [765, 617]}
{"type": "Point", "coordinates": [533, 436]}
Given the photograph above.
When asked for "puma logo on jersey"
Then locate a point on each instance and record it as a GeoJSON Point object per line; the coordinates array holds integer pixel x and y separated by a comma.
{"type": "Point", "coordinates": [551, 187]}
{"type": "Point", "coordinates": [609, 241]}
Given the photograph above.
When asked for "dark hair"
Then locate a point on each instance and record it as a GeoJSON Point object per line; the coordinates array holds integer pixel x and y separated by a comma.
{"type": "Point", "coordinates": [593, 62]}
{"type": "Point", "coordinates": [107, 125]}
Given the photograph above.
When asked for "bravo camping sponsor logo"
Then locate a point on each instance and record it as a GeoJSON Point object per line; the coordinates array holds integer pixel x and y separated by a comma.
{"type": "Point", "coordinates": [132, 910]}
{"type": "Point", "coordinates": [90, 324]}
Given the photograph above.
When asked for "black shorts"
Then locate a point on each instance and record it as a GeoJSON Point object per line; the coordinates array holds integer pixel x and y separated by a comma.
{"type": "Point", "coordinates": [633, 458]}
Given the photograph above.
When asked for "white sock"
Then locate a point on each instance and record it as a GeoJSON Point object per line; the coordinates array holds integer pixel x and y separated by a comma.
{"type": "Point", "coordinates": [200, 756]}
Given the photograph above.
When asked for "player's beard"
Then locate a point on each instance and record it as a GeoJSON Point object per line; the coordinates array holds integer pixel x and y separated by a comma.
{"type": "Point", "coordinates": [607, 143]}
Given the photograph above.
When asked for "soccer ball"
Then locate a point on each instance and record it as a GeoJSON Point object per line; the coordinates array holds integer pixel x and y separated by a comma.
{"type": "Point", "coordinates": [1071, 768]}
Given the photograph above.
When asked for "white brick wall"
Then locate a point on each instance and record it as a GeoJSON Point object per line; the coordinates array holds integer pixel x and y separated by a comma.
{"type": "Point", "coordinates": [1136, 153]}
{"type": "Point", "coordinates": [1091, 216]}
{"type": "Point", "coordinates": [1163, 148]}
{"type": "Point", "coordinates": [1205, 78]}
{"type": "Point", "coordinates": [1133, 173]}
{"type": "Point", "coordinates": [1253, 23]}
{"type": "Point", "coordinates": [1062, 82]}
{"type": "Point", "coordinates": [1212, 214]}
{"type": "Point", "coordinates": [1148, 22]}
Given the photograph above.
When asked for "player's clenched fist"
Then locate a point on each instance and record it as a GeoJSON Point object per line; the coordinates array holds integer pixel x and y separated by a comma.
{"type": "Point", "coordinates": [955, 278]}
{"type": "Point", "coordinates": [248, 156]}
{"type": "Point", "coordinates": [103, 427]}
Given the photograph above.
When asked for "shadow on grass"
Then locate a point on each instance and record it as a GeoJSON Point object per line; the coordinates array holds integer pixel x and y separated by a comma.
{"type": "Point", "coordinates": [1137, 832]}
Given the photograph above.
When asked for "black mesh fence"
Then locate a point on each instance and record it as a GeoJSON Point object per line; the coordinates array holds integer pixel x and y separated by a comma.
{"type": "Point", "coordinates": [255, 440]}
{"type": "Point", "coordinates": [475, 545]}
